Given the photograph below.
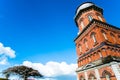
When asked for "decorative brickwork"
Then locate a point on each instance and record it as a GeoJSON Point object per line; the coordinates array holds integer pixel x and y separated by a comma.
{"type": "Point", "coordinates": [97, 45]}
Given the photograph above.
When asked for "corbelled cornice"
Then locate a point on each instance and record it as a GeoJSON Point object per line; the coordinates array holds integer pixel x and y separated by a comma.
{"type": "Point", "coordinates": [98, 47]}
{"type": "Point", "coordinates": [94, 21]}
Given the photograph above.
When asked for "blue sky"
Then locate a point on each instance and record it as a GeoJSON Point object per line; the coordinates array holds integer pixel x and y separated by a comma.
{"type": "Point", "coordinates": [40, 31]}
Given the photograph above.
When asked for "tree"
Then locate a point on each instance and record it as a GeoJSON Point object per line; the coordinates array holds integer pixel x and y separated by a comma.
{"type": "Point", "coordinates": [23, 71]}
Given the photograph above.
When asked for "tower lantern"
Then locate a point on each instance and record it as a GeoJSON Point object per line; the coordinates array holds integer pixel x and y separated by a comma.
{"type": "Point", "coordinates": [86, 12]}
{"type": "Point", "coordinates": [97, 45]}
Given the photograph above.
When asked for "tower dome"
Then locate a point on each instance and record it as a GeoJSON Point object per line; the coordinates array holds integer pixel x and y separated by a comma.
{"type": "Point", "coordinates": [86, 12]}
{"type": "Point", "coordinates": [84, 5]}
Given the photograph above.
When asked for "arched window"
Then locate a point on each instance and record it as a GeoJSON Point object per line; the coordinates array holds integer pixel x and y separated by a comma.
{"type": "Point", "coordinates": [91, 77]}
{"type": "Point", "coordinates": [82, 78]}
{"type": "Point", "coordinates": [89, 59]}
{"type": "Point", "coordinates": [100, 18]}
{"type": "Point", "coordinates": [100, 54]}
{"type": "Point", "coordinates": [90, 18]}
{"type": "Point", "coordinates": [106, 75]}
{"type": "Point", "coordinates": [93, 37]}
{"type": "Point", "coordinates": [113, 37]}
{"type": "Point", "coordinates": [80, 48]}
{"type": "Point", "coordinates": [86, 44]}
{"type": "Point", "coordinates": [82, 25]}
{"type": "Point", "coordinates": [104, 34]}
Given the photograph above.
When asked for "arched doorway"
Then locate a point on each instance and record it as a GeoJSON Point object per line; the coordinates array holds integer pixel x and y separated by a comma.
{"type": "Point", "coordinates": [82, 78]}
{"type": "Point", "coordinates": [91, 77]}
{"type": "Point", "coordinates": [106, 75]}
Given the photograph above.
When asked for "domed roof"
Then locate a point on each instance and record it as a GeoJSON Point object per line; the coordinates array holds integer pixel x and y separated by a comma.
{"type": "Point", "coordinates": [84, 5]}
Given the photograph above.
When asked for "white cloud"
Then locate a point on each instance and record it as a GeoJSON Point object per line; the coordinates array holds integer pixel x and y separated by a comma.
{"type": "Point", "coordinates": [5, 52]}
{"type": "Point", "coordinates": [3, 60]}
{"type": "Point", "coordinates": [52, 69]}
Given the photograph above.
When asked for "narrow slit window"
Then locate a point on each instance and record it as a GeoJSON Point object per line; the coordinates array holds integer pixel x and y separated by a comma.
{"type": "Point", "coordinates": [80, 48]}
{"type": "Point", "coordinates": [104, 35]}
{"type": "Point", "coordinates": [82, 25]}
{"type": "Point", "coordinates": [90, 18]}
{"type": "Point", "coordinates": [100, 54]}
{"type": "Point", "coordinates": [100, 18]}
{"type": "Point", "coordinates": [94, 38]}
{"type": "Point", "coordinates": [86, 44]}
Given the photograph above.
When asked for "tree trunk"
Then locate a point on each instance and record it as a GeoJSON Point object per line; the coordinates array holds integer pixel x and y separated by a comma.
{"type": "Point", "coordinates": [25, 77]}
{"type": "Point", "coordinates": [7, 76]}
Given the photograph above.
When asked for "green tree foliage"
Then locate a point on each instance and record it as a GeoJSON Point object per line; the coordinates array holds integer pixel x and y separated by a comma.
{"type": "Point", "coordinates": [23, 71]}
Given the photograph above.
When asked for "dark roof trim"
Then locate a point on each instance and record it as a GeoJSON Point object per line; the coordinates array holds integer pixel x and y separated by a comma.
{"type": "Point", "coordinates": [94, 20]}
{"type": "Point", "coordinates": [88, 8]}
{"type": "Point", "coordinates": [104, 61]}
{"type": "Point", "coordinates": [92, 50]}
{"type": "Point", "coordinates": [102, 44]}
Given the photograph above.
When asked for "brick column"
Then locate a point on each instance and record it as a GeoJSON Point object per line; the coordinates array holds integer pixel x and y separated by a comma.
{"type": "Point", "coordinates": [86, 76]}
{"type": "Point", "coordinates": [77, 77]}
{"type": "Point", "coordinates": [97, 74]}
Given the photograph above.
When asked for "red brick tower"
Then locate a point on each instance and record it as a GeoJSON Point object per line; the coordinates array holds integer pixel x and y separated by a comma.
{"type": "Point", "coordinates": [97, 45]}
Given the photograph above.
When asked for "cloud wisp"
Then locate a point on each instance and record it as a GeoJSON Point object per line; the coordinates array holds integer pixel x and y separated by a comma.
{"type": "Point", "coordinates": [6, 52]}
{"type": "Point", "coordinates": [52, 69]}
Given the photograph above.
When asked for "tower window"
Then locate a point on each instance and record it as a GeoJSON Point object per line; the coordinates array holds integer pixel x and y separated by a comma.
{"type": "Point", "coordinates": [104, 35]}
{"type": "Point", "coordinates": [100, 54]}
{"type": "Point", "coordinates": [100, 18]}
{"type": "Point", "coordinates": [90, 18]}
{"type": "Point", "coordinates": [82, 25]}
{"type": "Point", "coordinates": [80, 48]}
{"type": "Point", "coordinates": [93, 37]}
{"type": "Point", "coordinates": [86, 44]}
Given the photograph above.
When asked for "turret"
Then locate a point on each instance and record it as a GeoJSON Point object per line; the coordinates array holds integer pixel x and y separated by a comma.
{"type": "Point", "coordinates": [86, 12]}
